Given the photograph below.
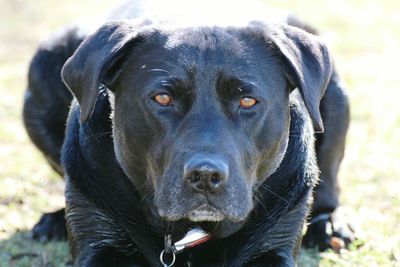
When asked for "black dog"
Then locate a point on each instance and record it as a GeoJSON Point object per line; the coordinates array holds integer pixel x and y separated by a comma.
{"type": "Point", "coordinates": [175, 128]}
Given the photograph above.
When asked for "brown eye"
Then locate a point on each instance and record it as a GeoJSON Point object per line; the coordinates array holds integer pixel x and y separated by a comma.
{"type": "Point", "coordinates": [163, 99]}
{"type": "Point", "coordinates": [247, 102]}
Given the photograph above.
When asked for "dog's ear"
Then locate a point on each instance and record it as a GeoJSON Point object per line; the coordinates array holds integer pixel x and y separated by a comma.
{"type": "Point", "coordinates": [307, 65]}
{"type": "Point", "coordinates": [97, 62]}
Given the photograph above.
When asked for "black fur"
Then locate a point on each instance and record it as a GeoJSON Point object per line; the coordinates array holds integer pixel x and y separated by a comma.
{"type": "Point", "coordinates": [111, 216]}
{"type": "Point", "coordinates": [114, 216]}
{"type": "Point", "coordinates": [45, 111]}
{"type": "Point", "coordinates": [245, 144]}
{"type": "Point", "coordinates": [46, 90]}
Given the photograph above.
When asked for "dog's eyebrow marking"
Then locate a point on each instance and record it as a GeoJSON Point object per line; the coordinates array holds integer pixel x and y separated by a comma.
{"type": "Point", "coordinates": [250, 83]}
{"type": "Point", "coordinates": [158, 70]}
{"type": "Point", "coordinates": [166, 83]}
{"type": "Point", "coordinates": [245, 86]}
{"type": "Point", "coordinates": [172, 82]}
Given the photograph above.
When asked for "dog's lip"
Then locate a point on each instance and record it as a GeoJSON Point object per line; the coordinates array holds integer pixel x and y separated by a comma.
{"type": "Point", "coordinates": [202, 213]}
{"type": "Point", "coordinates": [205, 213]}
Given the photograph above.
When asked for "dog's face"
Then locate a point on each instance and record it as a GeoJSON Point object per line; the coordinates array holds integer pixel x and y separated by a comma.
{"type": "Point", "coordinates": [196, 112]}
{"type": "Point", "coordinates": [201, 115]}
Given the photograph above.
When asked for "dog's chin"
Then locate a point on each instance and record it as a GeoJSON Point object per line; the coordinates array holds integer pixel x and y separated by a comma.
{"type": "Point", "coordinates": [209, 219]}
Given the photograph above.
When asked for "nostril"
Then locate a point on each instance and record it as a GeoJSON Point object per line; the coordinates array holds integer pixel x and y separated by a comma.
{"type": "Point", "coordinates": [206, 173]}
{"type": "Point", "coordinates": [195, 177]}
{"type": "Point", "coordinates": [215, 179]}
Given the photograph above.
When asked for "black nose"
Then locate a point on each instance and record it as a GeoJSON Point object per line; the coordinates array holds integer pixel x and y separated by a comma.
{"type": "Point", "coordinates": [206, 173]}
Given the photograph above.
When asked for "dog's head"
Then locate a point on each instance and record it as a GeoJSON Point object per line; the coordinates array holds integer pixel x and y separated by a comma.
{"type": "Point", "coordinates": [200, 114]}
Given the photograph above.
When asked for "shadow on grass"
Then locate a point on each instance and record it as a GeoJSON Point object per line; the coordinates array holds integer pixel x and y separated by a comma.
{"type": "Point", "coordinates": [19, 250]}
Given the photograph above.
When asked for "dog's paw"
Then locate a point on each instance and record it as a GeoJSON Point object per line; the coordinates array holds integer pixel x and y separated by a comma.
{"type": "Point", "coordinates": [51, 226]}
{"type": "Point", "coordinates": [324, 232]}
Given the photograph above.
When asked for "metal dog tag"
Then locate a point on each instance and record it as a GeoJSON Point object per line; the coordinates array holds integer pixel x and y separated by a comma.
{"type": "Point", "coordinates": [194, 237]}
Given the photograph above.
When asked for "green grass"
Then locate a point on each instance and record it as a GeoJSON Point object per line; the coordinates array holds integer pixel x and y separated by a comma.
{"type": "Point", "coordinates": [364, 36]}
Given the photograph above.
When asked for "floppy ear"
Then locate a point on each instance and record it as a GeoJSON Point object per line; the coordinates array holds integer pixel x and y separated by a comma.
{"type": "Point", "coordinates": [96, 63]}
{"type": "Point", "coordinates": [307, 65]}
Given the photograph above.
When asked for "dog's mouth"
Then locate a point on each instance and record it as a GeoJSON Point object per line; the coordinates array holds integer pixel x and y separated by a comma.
{"type": "Point", "coordinates": [205, 213]}
{"type": "Point", "coordinates": [209, 218]}
{"type": "Point", "coordinates": [201, 213]}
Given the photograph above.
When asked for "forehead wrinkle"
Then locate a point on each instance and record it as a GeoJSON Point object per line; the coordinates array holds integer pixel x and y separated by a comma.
{"type": "Point", "coordinates": [208, 101]}
{"type": "Point", "coordinates": [206, 52]}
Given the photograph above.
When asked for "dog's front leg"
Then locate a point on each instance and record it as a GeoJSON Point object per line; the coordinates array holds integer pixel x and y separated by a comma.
{"type": "Point", "coordinates": [330, 151]}
{"type": "Point", "coordinates": [51, 226]}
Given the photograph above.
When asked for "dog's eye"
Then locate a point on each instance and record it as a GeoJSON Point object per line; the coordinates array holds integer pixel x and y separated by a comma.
{"type": "Point", "coordinates": [247, 102]}
{"type": "Point", "coordinates": [163, 99]}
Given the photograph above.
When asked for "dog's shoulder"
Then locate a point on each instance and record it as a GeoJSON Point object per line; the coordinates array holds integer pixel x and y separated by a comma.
{"type": "Point", "coordinates": [90, 163]}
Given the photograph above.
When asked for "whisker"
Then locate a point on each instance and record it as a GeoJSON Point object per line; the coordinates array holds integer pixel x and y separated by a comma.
{"type": "Point", "coordinates": [95, 136]}
{"type": "Point", "coordinates": [264, 186]}
{"type": "Point", "coordinates": [259, 200]}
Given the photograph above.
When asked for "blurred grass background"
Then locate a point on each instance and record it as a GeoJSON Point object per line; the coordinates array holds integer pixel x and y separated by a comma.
{"type": "Point", "coordinates": [364, 36]}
